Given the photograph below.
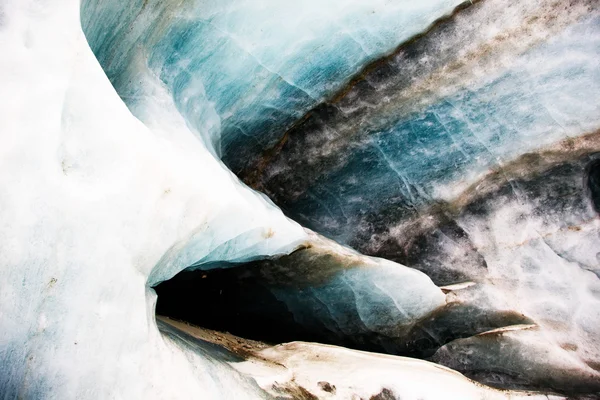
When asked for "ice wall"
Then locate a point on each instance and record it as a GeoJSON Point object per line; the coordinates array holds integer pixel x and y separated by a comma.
{"type": "Point", "coordinates": [468, 154]}
{"type": "Point", "coordinates": [241, 72]}
{"type": "Point", "coordinates": [447, 108]}
{"type": "Point", "coordinates": [95, 208]}
{"type": "Point", "coordinates": [323, 292]}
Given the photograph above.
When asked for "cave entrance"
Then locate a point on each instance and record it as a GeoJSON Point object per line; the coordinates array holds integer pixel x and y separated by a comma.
{"type": "Point", "coordinates": [244, 300]}
{"type": "Point", "coordinates": [230, 300]}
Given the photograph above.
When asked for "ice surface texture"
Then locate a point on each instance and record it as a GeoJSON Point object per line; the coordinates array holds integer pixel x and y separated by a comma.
{"type": "Point", "coordinates": [471, 153]}
{"type": "Point", "coordinates": [239, 71]}
{"type": "Point", "coordinates": [97, 206]}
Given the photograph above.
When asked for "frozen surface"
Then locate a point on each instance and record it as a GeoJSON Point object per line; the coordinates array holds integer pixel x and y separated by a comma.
{"type": "Point", "coordinates": [467, 154]}
{"type": "Point", "coordinates": [239, 71]}
{"type": "Point", "coordinates": [97, 206]}
{"type": "Point", "coordinates": [310, 370]}
{"type": "Point", "coordinates": [424, 125]}
{"type": "Point", "coordinates": [367, 375]}
{"type": "Point", "coordinates": [322, 292]}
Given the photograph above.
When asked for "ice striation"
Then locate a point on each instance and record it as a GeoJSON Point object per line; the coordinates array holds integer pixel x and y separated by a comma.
{"type": "Point", "coordinates": [470, 153]}
{"type": "Point", "coordinates": [95, 208]}
{"type": "Point", "coordinates": [239, 71]}
{"type": "Point", "coordinates": [453, 145]}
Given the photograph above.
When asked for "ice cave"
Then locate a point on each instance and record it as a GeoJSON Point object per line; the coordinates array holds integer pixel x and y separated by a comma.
{"type": "Point", "coordinates": [300, 199]}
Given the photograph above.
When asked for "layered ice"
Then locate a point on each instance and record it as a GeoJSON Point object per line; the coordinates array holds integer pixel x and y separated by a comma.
{"type": "Point", "coordinates": [469, 154]}
{"type": "Point", "coordinates": [241, 72]}
{"type": "Point", "coordinates": [97, 206]}
{"type": "Point", "coordinates": [321, 292]}
{"type": "Point", "coordinates": [446, 109]}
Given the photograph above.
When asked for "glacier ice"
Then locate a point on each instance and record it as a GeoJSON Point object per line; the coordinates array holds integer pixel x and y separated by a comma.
{"type": "Point", "coordinates": [95, 208]}
{"type": "Point", "coordinates": [468, 153]}
{"type": "Point", "coordinates": [239, 71]}
{"type": "Point", "coordinates": [321, 292]}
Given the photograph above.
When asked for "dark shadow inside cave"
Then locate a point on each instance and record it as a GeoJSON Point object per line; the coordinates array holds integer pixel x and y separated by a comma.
{"type": "Point", "coordinates": [244, 302]}
{"type": "Point", "coordinates": [229, 300]}
{"type": "Point", "coordinates": [593, 182]}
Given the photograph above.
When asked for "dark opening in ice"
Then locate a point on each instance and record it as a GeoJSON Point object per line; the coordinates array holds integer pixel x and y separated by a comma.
{"type": "Point", "coordinates": [593, 181]}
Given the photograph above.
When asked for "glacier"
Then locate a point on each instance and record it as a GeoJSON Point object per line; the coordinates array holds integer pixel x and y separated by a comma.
{"type": "Point", "coordinates": [399, 200]}
{"type": "Point", "coordinates": [288, 57]}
